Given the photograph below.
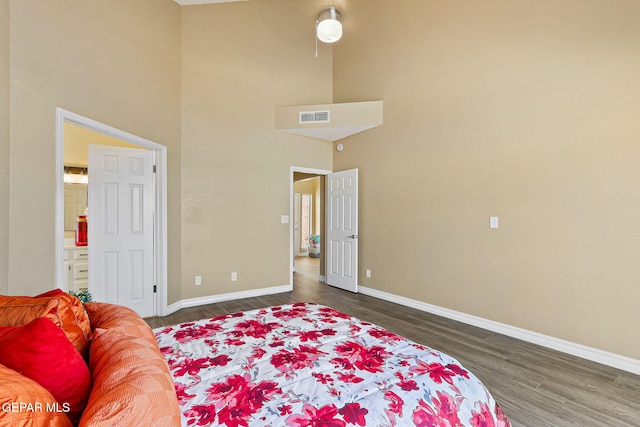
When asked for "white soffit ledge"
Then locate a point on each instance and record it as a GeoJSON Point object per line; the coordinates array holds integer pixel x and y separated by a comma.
{"type": "Point", "coordinates": [345, 119]}
{"type": "Point", "coordinates": [194, 2]}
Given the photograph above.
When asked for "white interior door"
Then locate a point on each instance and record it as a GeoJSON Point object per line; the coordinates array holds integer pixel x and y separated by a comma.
{"type": "Point", "coordinates": [342, 229]}
{"type": "Point", "coordinates": [120, 220]}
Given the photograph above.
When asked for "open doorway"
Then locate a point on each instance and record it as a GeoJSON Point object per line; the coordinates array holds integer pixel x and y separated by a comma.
{"type": "Point", "coordinates": [307, 225]}
{"type": "Point", "coordinates": [65, 119]}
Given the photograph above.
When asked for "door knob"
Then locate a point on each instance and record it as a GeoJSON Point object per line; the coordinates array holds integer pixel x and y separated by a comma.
{"type": "Point", "coordinates": [353, 236]}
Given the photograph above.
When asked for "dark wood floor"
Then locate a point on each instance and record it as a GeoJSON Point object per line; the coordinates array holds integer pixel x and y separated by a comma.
{"type": "Point", "coordinates": [535, 386]}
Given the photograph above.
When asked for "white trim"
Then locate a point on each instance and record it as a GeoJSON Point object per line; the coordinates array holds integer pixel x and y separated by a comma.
{"type": "Point", "coordinates": [213, 299]}
{"type": "Point", "coordinates": [292, 170]}
{"type": "Point", "coordinates": [600, 356]}
{"type": "Point", "coordinates": [63, 116]}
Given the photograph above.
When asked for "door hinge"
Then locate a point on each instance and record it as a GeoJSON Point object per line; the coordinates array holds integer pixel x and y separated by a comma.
{"type": "Point", "coordinates": [155, 289]}
{"type": "Point", "coordinates": [154, 169]}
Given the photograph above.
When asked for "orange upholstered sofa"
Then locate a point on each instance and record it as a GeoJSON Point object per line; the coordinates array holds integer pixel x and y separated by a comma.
{"type": "Point", "coordinates": [65, 364]}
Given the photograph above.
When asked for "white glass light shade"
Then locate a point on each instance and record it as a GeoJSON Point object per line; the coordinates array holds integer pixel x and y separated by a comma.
{"type": "Point", "coordinates": [329, 28]}
{"type": "Point", "coordinates": [73, 178]}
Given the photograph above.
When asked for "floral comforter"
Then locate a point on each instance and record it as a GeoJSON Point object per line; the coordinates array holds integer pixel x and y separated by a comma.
{"type": "Point", "coordinates": [310, 365]}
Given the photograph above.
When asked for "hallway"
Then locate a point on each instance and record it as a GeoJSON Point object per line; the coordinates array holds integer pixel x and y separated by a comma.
{"type": "Point", "coordinates": [307, 268]}
{"type": "Point", "coordinates": [307, 274]}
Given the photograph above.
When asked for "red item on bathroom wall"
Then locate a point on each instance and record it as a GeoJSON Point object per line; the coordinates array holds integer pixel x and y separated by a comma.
{"type": "Point", "coordinates": [81, 230]}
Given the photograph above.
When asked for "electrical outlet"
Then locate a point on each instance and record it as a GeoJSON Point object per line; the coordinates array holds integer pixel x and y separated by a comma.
{"type": "Point", "coordinates": [198, 280]}
{"type": "Point", "coordinates": [234, 276]}
{"type": "Point", "coordinates": [367, 273]}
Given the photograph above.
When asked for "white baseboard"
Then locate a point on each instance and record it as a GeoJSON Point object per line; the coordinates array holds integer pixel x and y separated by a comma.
{"type": "Point", "coordinates": [212, 299]}
{"type": "Point", "coordinates": [600, 356]}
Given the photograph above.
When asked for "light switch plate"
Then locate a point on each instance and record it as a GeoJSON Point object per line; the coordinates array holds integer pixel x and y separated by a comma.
{"type": "Point", "coordinates": [284, 219]}
{"type": "Point", "coordinates": [493, 222]}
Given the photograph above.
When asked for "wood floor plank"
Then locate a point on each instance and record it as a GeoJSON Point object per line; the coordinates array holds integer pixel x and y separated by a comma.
{"type": "Point", "coordinates": [536, 386]}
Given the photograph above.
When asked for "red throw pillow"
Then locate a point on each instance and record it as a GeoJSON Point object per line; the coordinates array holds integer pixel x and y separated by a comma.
{"type": "Point", "coordinates": [65, 310]}
{"type": "Point", "coordinates": [40, 350]}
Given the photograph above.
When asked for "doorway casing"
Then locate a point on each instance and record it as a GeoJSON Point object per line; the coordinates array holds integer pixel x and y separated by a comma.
{"type": "Point", "coordinates": [160, 209]}
{"type": "Point", "coordinates": [323, 173]}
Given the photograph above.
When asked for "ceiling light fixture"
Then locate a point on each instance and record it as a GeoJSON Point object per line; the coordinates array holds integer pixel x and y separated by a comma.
{"type": "Point", "coordinates": [74, 178]}
{"type": "Point", "coordinates": [328, 25]}
{"type": "Point", "coordinates": [73, 175]}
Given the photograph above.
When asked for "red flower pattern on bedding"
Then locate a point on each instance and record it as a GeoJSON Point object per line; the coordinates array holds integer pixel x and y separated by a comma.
{"type": "Point", "coordinates": [316, 417]}
{"type": "Point", "coordinates": [253, 328]}
{"type": "Point", "coordinates": [357, 356]}
{"type": "Point", "coordinates": [354, 414]}
{"type": "Point", "coordinates": [237, 399]}
{"type": "Point", "coordinates": [439, 372]}
{"type": "Point", "coordinates": [305, 365]}
{"type": "Point", "coordinates": [288, 362]}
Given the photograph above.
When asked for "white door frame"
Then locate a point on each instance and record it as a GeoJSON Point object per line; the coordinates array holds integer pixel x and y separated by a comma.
{"type": "Point", "coordinates": [160, 210]}
{"type": "Point", "coordinates": [292, 170]}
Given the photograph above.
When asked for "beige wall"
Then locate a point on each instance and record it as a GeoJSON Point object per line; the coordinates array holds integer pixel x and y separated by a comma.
{"type": "Point", "coordinates": [77, 140]}
{"type": "Point", "coordinates": [4, 146]}
{"type": "Point", "coordinates": [524, 110]}
{"type": "Point", "coordinates": [240, 61]}
{"type": "Point", "coordinates": [117, 62]}
{"type": "Point", "coordinates": [134, 66]}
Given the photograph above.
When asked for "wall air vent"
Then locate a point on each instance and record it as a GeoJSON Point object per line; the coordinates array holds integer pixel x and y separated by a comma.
{"type": "Point", "coordinates": [329, 122]}
{"type": "Point", "coordinates": [307, 117]}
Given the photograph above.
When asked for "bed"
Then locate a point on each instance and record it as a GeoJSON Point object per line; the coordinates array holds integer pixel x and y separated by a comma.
{"type": "Point", "coordinates": [310, 365]}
